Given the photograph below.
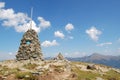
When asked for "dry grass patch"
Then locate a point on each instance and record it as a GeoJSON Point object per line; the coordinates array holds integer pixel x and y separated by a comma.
{"type": "Point", "coordinates": [30, 66]}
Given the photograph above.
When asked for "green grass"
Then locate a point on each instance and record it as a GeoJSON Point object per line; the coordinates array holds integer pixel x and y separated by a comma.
{"type": "Point", "coordinates": [86, 75]}
{"type": "Point", "coordinates": [111, 75]}
{"type": "Point", "coordinates": [7, 71]}
{"type": "Point", "coordinates": [25, 76]}
{"type": "Point", "coordinates": [73, 62]}
{"type": "Point", "coordinates": [30, 66]}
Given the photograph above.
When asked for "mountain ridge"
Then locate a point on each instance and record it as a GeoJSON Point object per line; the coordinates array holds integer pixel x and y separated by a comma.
{"type": "Point", "coordinates": [109, 60]}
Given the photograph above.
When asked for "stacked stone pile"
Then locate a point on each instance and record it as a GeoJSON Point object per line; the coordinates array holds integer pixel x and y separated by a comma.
{"type": "Point", "coordinates": [59, 57]}
{"type": "Point", "coordinates": [30, 46]}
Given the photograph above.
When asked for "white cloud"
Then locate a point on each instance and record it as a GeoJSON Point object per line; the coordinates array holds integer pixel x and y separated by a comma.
{"type": "Point", "coordinates": [12, 19]}
{"type": "Point", "coordinates": [69, 27]}
{"type": "Point", "coordinates": [44, 23]}
{"type": "Point", "coordinates": [71, 37]}
{"type": "Point", "coordinates": [118, 40]}
{"type": "Point", "coordinates": [2, 4]}
{"type": "Point", "coordinates": [25, 27]}
{"type": "Point", "coordinates": [104, 44]}
{"type": "Point", "coordinates": [59, 34]}
{"type": "Point", "coordinates": [49, 44]}
{"type": "Point", "coordinates": [93, 33]}
{"type": "Point", "coordinates": [7, 55]}
{"type": "Point", "coordinates": [10, 53]}
{"type": "Point", "coordinates": [75, 54]}
{"type": "Point", "coordinates": [20, 21]}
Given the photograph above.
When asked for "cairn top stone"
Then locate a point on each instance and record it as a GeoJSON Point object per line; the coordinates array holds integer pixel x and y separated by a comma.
{"type": "Point", "coordinates": [30, 47]}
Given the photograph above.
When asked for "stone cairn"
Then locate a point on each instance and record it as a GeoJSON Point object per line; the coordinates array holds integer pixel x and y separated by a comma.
{"type": "Point", "coordinates": [59, 57]}
{"type": "Point", "coordinates": [30, 47]}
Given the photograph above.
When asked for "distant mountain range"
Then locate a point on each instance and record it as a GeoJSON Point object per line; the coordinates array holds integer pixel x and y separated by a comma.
{"type": "Point", "coordinates": [113, 61]}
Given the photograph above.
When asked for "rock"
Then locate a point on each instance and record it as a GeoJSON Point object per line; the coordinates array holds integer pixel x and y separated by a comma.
{"type": "Point", "coordinates": [35, 73]}
{"type": "Point", "coordinates": [27, 76]}
{"type": "Point", "coordinates": [99, 78]}
{"type": "Point", "coordinates": [91, 66]}
{"type": "Point", "coordinates": [6, 73]}
{"type": "Point", "coordinates": [117, 70]}
{"type": "Point", "coordinates": [29, 47]}
{"type": "Point", "coordinates": [1, 78]}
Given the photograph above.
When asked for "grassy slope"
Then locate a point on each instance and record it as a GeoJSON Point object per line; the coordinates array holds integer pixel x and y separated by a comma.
{"type": "Point", "coordinates": [81, 75]}
{"type": "Point", "coordinates": [88, 75]}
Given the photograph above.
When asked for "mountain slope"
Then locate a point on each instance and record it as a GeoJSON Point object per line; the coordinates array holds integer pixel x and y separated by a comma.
{"type": "Point", "coordinates": [113, 61]}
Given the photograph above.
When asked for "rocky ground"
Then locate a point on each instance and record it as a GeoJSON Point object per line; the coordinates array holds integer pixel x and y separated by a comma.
{"type": "Point", "coordinates": [55, 70]}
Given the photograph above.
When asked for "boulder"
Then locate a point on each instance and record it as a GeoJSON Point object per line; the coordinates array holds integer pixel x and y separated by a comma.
{"type": "Point", "coordinates": [91, 66]}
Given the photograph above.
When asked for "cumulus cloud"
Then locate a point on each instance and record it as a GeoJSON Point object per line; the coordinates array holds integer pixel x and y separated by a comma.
{"type": "Point", "coordinates": [25, 27]}
{"type": "Point", "coordinates": [49, 43]}
{"type": "Point", "coordinates": [43, 22]}
{"type": "Point", "coordinates": [104, 44]}
{"type": "Point", "coordinates": [59, 34]}
{"type": "Point", "coordinates": [94, 33]}
{"type": "Point", "coordinates": [20, 21]}
{"type": "Point", "coordinates": [69, 27]}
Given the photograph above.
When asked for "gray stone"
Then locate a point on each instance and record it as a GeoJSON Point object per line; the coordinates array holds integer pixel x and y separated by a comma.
{"type": "Point", "coordinates": [35, 73]}
{"type": "Point", "coordinates": [29, 47]}
{"type": "Point", "coordinates": [91, 66]}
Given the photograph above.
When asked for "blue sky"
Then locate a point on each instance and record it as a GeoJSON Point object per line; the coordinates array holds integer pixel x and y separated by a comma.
{"type": "Point", "coordinates": [75, 28]}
